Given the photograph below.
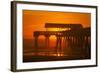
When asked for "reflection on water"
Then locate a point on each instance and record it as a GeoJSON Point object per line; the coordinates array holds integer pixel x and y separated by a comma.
{"type": "Point", "coordinates": [49, 54]}
{"type": "Point", "coordinates": [72, 50]}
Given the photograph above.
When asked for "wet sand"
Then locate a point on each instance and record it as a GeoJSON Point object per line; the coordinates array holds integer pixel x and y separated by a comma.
{"type": "Point", "coordinates": [68, 54]}
{"type": "Point", "coordinates": [30, 58]}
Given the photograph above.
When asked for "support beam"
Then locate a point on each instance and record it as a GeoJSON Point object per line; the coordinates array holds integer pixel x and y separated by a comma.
{"type": "Point", "coordinates": [58, 45]}
{"type": "Point", "coordinates": [47, 41]}
{"type": "Point", "coordinates": [36, 44]}
{"type": "Point", "coordinates": [47, 44]}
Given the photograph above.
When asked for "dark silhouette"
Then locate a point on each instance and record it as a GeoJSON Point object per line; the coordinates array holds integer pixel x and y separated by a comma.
{"type": "Point", "coordinates": [76, 43]}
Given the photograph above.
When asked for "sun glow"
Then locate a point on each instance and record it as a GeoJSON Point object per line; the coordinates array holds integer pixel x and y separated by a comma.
{"type": "Point", "coordinates": [35, 20]}
{"type": "Point", "coordinates": [57, 29]}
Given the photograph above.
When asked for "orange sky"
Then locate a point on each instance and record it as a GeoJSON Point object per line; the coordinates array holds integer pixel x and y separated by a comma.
{"type": "Point", "coordinates": [35, 20]}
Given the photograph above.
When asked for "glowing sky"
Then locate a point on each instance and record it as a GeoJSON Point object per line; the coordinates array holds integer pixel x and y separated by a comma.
{"type": "Point", "coordinates": [35, 20]}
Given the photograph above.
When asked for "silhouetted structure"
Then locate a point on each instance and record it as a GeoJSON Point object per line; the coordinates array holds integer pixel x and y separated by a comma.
{"type": "Point", "coordinates": [74, 36]}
